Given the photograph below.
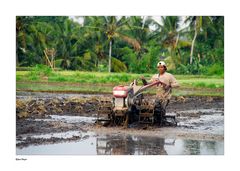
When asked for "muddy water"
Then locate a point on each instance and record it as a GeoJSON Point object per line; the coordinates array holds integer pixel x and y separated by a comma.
{"type": "Point", "coordinates": [94, 144]}
{"type": "Point", "coordinates": [42, 95]}
{"type": "Point", "coordinates": [76, 135]}
{"type": "Point", "coordinates": [85, 142]}
{"type": "Point", "coordinates": [203, 120]}
{"type": "Point", "coordinates": [69, 119]}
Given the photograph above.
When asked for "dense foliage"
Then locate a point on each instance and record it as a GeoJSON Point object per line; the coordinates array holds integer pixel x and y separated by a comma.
{"type": "Point", "coordinates": [125, 44]}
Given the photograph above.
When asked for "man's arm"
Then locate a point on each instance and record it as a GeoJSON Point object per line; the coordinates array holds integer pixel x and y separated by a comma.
{"type": "Point", "coordinates": [173, 82]}
{"type": "Point", "coordinates": [145, 82]}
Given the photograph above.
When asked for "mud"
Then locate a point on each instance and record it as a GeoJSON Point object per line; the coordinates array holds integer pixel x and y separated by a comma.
{"type": "Point", "coordinates": [200, 127]}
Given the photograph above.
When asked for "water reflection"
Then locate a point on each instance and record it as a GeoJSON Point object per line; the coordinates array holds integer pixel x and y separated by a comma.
{"type": "Point", "coordinates": [135, 145]}
{"type": "Point", "coordinates": [126, 145]}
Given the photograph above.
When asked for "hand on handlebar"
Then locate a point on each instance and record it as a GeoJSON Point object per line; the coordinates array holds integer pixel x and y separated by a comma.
{"type": "Point", "coordinates": [143, 80]}
{"type": "Point", "coordinates": [167, 87]}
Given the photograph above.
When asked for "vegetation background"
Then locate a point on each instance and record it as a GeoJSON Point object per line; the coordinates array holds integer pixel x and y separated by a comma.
{"type": "Point", "coordinates": [133, 44]}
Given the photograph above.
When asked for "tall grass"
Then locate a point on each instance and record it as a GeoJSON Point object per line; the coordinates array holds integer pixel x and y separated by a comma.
{"type": "Point", "coordinates": [86, 77]}
{"type": "Point", "coordinates": [40, 72]}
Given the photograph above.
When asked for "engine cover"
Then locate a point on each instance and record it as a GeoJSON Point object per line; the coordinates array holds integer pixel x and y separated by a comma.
{"type": "Point", "coordinates": [121, 91]}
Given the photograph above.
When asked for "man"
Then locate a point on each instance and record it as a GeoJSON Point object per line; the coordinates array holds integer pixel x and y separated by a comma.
{"type": "Point", "coordinates": [163, 93]}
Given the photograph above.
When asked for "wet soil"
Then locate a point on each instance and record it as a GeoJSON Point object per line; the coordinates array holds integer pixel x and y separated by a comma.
{"type": "Point", "coordinates": [200, 123]}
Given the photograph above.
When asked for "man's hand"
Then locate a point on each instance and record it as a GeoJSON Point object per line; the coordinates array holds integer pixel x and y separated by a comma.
{"type": "Point", "coordinates": [167, 87]}
{"type": "Point", "coordinates": [143, 80]}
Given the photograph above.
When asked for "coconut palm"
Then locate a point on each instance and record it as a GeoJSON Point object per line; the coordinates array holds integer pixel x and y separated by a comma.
{"type": "Point", "coordinates": [147, 56]}
{"type": "Point", "coordinates": [69, 39]}
{"type": "Point", "coordinates": [113, 28]}
{"type": "Point", "coordinates": [172, 37]}
{"type": "Point", "coordinates": [198, 24]}
{"type": "Point", "coordinates": [22, 24]}
{"type": "Point", "coordinates": [96, 40]}
{"type": "Point", "coordinates": [139, 29]}
{"type": "Point", "coordinates": [34, 34]}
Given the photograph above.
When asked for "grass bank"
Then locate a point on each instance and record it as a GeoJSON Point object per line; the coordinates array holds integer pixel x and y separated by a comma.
{"type": "Point", "coordinates": [95, 82]}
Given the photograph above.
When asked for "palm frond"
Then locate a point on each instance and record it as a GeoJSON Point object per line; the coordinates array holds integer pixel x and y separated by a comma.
{"type": "Point", "coordinates": [131, 41]}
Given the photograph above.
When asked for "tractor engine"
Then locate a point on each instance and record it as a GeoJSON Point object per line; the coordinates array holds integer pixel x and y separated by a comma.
{"type": "Point", "coordinates": [120, 95]}
{"type": "Point", "coordinates": [121, 107]}
{"type": "Point", "coordinates": [128, 106]}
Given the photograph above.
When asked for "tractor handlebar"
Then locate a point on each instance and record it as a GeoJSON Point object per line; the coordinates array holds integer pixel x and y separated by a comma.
{"type": "Point", "coordinates": [148, 86]}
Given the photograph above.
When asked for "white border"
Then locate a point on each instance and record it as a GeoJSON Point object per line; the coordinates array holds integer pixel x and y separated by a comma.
{"type": "Point", "coordinates": [9, 9]}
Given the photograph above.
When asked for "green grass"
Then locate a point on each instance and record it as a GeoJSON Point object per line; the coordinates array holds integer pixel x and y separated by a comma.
{"type": "Point", "coordinates": [97, 77]}
{"type": "Point", "coordinates": [86, 88]}
{"type": "Point", "coordinates": [104, 82]}
{"type": "Point", "coordinates": [79, 77]}
{"type": "Point", "coordinates": [202, 82]}
{"type": "Point", "coordinates": [63, 88]}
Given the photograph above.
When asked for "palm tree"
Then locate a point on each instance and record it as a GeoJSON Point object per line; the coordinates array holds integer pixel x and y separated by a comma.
{"type": "Point", "coordinates": [147, 56]}
{"type": "Point", "coordinates": [113, 28]}
{"type": "Point", "coordinates": [69, 38]}
{"type": "Point", "coordinates": [198, 24]}
{"type": "Point", "coordinates": [31, 40]}
{"type": "Point", "coordinates": [169, 32]}
{"type": "Point", "coordinates": [34, 34]}
{"type": "Point", "coordinates": [139, 29]}
{"type": "Point", "coordinates": [171, 36]}
{"type": "Point", "coordinates": [22, 24]}
{"type": "Point", "coordinates": [96, 40]}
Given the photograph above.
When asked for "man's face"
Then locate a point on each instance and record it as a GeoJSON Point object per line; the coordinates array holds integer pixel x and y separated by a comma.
{"type": "Point", "coordinates": [161, 69]}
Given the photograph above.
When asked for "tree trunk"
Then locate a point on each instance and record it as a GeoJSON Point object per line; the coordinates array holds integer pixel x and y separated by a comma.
{"type": "Point", "coordinates": [110, 56]}
{"type": "Point", "coordinates": [17, 60]}
{"type": "Point", "coordinates": [192, 47]}
{"type": "Point", "coordinates": [175, 45]}
{"type": "Point", "coordinates": [179, 53]}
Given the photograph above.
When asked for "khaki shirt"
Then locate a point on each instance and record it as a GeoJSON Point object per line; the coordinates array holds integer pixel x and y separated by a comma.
{"type": "Point", "coordinates": [168, 79]}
